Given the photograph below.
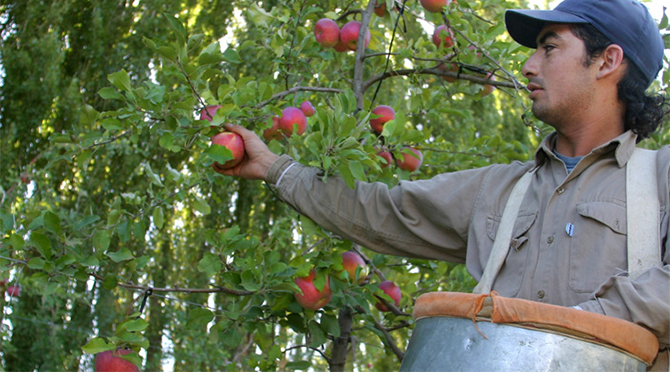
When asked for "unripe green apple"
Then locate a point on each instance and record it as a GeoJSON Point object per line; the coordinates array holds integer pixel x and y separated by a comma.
{"type": "Point", "coordinates": [234, 143]}
{"type": "Point", "coordinates": [392, 291]}
{"type": "Point", "coordinates": [311, 298]}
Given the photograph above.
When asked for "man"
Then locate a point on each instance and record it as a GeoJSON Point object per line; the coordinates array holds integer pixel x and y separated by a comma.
{"type": "Point", "coordinates": [587, 78]}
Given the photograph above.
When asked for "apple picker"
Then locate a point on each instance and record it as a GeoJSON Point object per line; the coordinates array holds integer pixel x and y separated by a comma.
{"type": "Point", "coordinates": [574, 241]}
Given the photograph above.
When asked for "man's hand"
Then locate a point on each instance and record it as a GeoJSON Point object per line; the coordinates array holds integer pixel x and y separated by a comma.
{"type": "Point", "coordinates": [257, 158]}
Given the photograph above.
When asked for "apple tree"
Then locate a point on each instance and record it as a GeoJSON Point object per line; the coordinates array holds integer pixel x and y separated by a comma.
{"type": "Point", "coordinates": [121, 234]}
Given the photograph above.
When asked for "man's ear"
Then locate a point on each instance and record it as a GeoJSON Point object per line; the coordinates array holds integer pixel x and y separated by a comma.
{"type": "Point", "coordinates": [611, 62]}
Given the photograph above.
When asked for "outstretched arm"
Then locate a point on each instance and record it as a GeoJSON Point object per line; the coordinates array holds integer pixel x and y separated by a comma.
{"type": "Point", "coordinates": [257, 158]}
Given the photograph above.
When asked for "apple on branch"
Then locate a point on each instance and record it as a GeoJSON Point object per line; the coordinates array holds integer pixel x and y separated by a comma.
{"type": "Point", "coordinates": [349, 35]}
{"type": "Point", "coordinates": [111, 361]}
{"type": "Point", "coordinates": [409, 161]}
{"type": "Point", "coordinates": [327, 32]}
{"type": "Point", "coordinates": [234, 143]}
{"type": "Point", "coordinates": [13, 290]}
{"type": "Point", "coordinates": [380, 8]}
{"type": "Point", "coordinates": [434, 6]}
{"type": "Point", "coordinates": [443, 36]}
{"type": "Point", "coordinates": [351, 261]}
{"type": "Point", "coordinates": [488, 88]}
{"type": "Point", "coordinates": [208, 112]}
{"type": "Point", "coordinates": [450, 66]}
{"type": "Point", "coordinates": [386, 155]}
{"type": "Point", "coordinates": [273, 132]}
{"type": "Point", "coordinates": [311, 298]}
{"type": "Point", "coordinates": [307, 108]}
{"type": "Point", "coordinates": [392, 291]}
{"type": "Point", "coordinates": [384, 114]}
{"type": "Point", "coordinates": [291, 116]}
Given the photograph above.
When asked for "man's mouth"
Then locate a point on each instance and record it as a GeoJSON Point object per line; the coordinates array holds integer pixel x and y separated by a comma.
{"type": "Point", "coordinates": [534, 89]}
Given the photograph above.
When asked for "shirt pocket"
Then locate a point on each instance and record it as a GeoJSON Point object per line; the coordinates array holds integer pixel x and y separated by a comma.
{"type": "Point", "coordinates": [598, 246]}
{"type": "Point", "coordinates": [512, 273]}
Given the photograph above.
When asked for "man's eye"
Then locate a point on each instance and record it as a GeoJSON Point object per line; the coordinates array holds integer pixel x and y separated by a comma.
{"type": "Point", "coordinates": [547, 48]}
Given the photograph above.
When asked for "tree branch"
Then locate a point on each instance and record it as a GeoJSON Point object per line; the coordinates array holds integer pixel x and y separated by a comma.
{"type": "Point", "coordinates": [294, 90]}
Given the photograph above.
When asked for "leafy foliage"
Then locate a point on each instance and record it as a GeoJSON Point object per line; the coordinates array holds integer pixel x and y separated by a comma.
{"type": "Point", "coordinates": [108, 191]}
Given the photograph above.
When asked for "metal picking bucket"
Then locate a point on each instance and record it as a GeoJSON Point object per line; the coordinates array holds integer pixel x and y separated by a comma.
{"type": "Point", "coordinates": [467, 332]}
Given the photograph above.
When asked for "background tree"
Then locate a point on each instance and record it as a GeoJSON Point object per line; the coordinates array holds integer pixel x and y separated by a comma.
{"type": "Point", "coordinates": [118, 231]}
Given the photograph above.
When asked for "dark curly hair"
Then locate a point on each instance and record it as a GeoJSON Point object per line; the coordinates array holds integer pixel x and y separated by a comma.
{"type": "Point", "coordinates": [644, 113]}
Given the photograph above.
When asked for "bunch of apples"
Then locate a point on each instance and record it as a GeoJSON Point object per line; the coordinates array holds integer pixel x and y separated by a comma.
{"type": "Point", "coordinates": [410, 158]}
{"type": "Point", "coordinates": [329, 35]}
{"type": "Point", "coordinates": [354, 270]}
{"type": "Point", "coordinates": [293, 120]}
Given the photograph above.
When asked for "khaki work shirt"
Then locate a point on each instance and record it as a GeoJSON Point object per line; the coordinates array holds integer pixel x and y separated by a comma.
{"type": "Point", "coordinates": [455, 216]}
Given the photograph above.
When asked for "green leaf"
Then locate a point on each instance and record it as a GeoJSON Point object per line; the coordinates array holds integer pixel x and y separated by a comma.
{"type": "Point", "coordinates": [36, 263]}
{"type": "Point", "coordinates": [135, 325]}
{"type": "Point", "coordinates": [299, 365]}
{"type": "Point", "coordinates": [177, 26]}
{"type": "Point", "coordinates": [210, 55]}
{"type": "Point", "coordinates": [318, 335]}
{"type": "Point", "coordinates": [109, 93]}
{"type": "Point", "coordinates": [357, 171]}
{"type": "Point", "coordinates": [209, 264]}
{"type": "Point", "coordinates": [158, 217]}
{"type": "Point", "coordinates": [250, 280]}
{"type": "Point", "coordinates": [42, 243]}
{"type": "Point", "coordinates": [199, 318]}
{"type": "Point", "coordinates": [201, 205]}
{"type": "Point", "coordinates": [166, 141]}
{"type": "Point", "coordinates": [101, 240]}
{"type": "Point", "coordinates": [97, 345]}
{"type": "Point", "coordinates": [219, 154]}
{"type": "Point", "coordinates": [330, 325]}
{"type": "Point", "coordinates": [89, 261]}
{"type": "Point", "coordinates": [345, 172]}
{"type": "Point", "coordinates": [16, 241]}
{"type": "Point", "coordinates": [87, 220]}
{"type": "Point", "coordinates": [52, 222]}
{"type": "Point", "coordinates": [230, 55]}
{"type": "Point", "coordinates": [111, 124]}
{"type": "Point", "coordinates": [122, 254]}
{"type": "Point", "coordinates": [121, 80]}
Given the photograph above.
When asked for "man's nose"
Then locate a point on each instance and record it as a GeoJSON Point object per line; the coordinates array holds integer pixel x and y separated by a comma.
{"type": "Point", "coordinates": [530, 67]}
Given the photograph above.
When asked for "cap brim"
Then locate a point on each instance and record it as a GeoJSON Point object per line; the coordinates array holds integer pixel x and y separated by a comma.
{"type": "Point", "coordinates": [525, 25]}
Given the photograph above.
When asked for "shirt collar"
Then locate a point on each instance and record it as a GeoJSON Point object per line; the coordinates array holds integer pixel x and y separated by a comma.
{"type": "Point", "coordinates": [623, 146]}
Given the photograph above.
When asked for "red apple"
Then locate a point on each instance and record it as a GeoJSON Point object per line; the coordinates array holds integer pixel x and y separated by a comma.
{"type": "Point", "coordinates": [234, 143]}
{"type": "Point", "coordinates": [349, 35]}
{"type": "Point", "coordinates": [311, 298]}
{"type": "Point", "coordinates": [386, 155]}
{"type": "Point", "coordinates": [434, 6]}
{"type": "Point", "coordinates": [350, 262]}
{"type": "Point", "coordinates": [380, 8]}
{"type": "Point", "coordinates": [392, 291]}
{"type": "Point", "coordinates": [14, 291]}
{"type": "Point", "coordinates": [109, 361]}
{"type": "Point", "coordinates": [273, 132]}
{"type": "Point", "coordinates": [340, 47]}
{"type": "Point", "coordinates": [385, 114]}
{"type": "Point", "coordinates": [307, 108]}
{"type": "Point", "coordinates": [488, 88]}
{"type": "Point", "coordinates": [289, 117]}
{"type": "Point", "coordinates": [449, 67]}
{"type": "Point", "coordinates": [327, 32]}
{"type": "Point", "coordinates": [208, 112]}
{"type": "Point", "coordinates": [409, 162]}
{"type": "Point", "coordinates": [443, 36]}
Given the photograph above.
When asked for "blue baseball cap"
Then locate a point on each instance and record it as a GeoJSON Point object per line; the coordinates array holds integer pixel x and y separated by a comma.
{"type": "Point", "coordinates": [626, 23]}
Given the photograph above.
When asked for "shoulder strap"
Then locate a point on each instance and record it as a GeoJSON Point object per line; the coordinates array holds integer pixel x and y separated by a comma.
{"type": "Point", "coordinates": [504, 234]}
{"type": "Point", "coordinates": [642, 212]}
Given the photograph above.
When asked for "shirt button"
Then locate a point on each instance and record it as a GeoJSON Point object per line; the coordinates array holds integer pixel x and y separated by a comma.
{"type": "Point", "coordinates": [550, 240]}
{"type": "Point", "coordinates": [540, 294]}
{"type": "Point", "coordinates": [560, 190]}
